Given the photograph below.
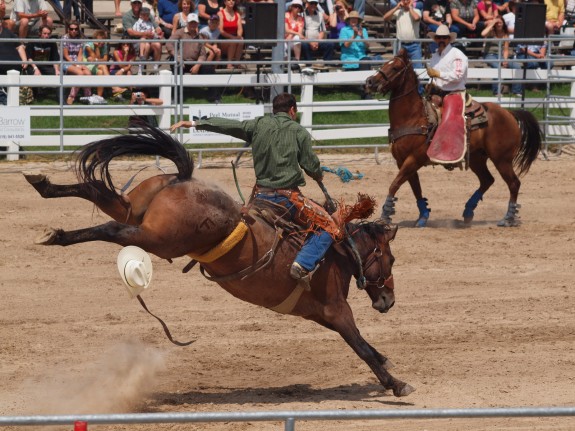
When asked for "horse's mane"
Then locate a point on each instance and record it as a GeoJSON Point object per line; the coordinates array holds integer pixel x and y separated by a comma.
{"type": "Point", "coordinates": [92, 161]}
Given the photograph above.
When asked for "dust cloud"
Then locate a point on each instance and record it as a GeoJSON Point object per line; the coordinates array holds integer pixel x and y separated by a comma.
{"type": "Point", "coordinates": [117, 382]}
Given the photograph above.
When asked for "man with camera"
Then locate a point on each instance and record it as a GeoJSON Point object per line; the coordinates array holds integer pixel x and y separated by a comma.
{"type": "Point", "coordinates": [407, 24]}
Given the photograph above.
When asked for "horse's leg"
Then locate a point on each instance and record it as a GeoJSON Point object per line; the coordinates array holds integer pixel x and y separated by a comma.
{"type": "Point", "coordinates": [478, 165]}
{"type": "Point", "coordinates": [507, 172]}
{"type": "Point", "coordinates": [107, 201]}
{"type": "Point", "coordinates": [383, 360]}
{"type": "Point", "coordinates": [407, 167]}
{"type": "Point", "coordinates": [125, 208]}
{"type": "Point", "coordinates": [424, 210]}
{"type": "Point", "coordinates": [344, 324]}
{"type": "Point", "coordinates": [113, 232]}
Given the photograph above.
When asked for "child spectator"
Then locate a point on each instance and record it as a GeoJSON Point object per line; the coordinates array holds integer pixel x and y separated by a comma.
{"type": "Point", "coordinates": [123, 55]}
{"type": "Point", "coordinates": [148, 31]}
{"type": "Point", "coordinates": [97, 53]}
{"type": "Point", "coordinates": [212, 34]}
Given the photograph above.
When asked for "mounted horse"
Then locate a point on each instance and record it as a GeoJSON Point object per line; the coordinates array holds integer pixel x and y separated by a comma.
{"type": "Point", "coordinates": [509, 139]}
{"type": "Point", "coordinates": [175, 215]}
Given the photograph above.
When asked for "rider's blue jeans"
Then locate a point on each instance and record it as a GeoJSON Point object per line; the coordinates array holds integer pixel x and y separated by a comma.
{"type": "Point", "coordinates": [315, 245]}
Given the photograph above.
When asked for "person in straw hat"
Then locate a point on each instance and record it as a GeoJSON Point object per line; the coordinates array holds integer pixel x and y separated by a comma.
{"type": "Point", "coordinates": [448, 72]}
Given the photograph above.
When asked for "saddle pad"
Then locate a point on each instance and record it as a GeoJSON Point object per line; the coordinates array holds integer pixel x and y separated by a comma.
{"type": "Point", "coordinates": [449, 143]}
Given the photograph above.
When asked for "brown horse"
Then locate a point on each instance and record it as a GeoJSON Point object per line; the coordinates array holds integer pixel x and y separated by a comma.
{"type": "Point", "coordinates": [175, 215]}
{"type": "Point", "coordinates": [510, 139]}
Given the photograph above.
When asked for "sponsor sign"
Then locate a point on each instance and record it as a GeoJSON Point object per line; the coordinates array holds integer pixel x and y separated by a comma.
{"type": "Point", "coordinates": [15, 123]}
{"type": "Point", "coordinates": [238, 112]}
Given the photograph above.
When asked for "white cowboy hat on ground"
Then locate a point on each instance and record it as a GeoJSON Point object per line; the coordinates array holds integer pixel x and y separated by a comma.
{"type": "Point", "coordinates": [135, 268]}
{"type": "Point", "coordinates": [442, 30]}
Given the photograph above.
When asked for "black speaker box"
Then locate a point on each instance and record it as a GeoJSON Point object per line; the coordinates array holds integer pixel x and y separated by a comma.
{"type": "Point", "coordinates": [530, 20]}
{"type": "Point", "coordinates": [261, 21]}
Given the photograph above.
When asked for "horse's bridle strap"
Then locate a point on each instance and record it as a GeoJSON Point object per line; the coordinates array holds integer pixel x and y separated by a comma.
{"type": "Point", "coordinates": [224, 246]}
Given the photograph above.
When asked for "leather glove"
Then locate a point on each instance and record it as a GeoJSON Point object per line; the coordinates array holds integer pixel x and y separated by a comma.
{"type": "Point", "coordinates": [433, 73]}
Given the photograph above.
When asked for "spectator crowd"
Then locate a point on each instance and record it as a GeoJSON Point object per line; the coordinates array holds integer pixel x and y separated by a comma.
{"type": "Point", "coordinates": [328, 32]}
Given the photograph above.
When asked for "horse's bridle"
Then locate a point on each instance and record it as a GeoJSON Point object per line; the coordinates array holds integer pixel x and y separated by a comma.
{"type": "Point", "coordinates": [376, 256]}
{"type": "Point", "coordinates": [400, 72]}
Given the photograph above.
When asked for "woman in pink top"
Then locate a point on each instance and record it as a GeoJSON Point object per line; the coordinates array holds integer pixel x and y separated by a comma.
{"type": "Point", "coordinates": [294, 27]}
{"type": "Point", "coordinates": [231, 28]}
{"type": "Point", "coordinates": [487, 11]}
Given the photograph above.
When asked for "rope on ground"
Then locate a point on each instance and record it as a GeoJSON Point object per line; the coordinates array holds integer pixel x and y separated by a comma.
{"type": "Point", "coordinates": [343, 173]}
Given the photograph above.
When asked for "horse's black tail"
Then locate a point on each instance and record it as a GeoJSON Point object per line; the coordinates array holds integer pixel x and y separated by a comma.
{"type": "Point", "coordinates": [530, 140]}
{"type": "Point", "coordinates": [92, 161]}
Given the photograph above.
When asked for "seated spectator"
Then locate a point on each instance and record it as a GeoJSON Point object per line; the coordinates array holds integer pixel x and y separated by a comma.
{"type": "Point", "coordinates": [96, 54]}
{"type": "Point", "coordinates": [570, 12]}
{"type": "Point", "coordinates": [294, 28]}
{"type": "Point", "coordinates": [526, 53]}
{"type": "Point", "coordinates": [7, 23]}
{"type": "Point", "coordinates": [493, 50]}
{"type": "Point", "coordinates": [167, 9]}
{"type": "Point", "coordinates": [211, 33]}
{"type": "Point", "coordinates": [337, 18]}
{"type": "Point", "coordinates": [416, 4]}
{"type": "Point", "coordinates": [123, 55]}
{"type": "Point", "coordinates": [231, 28]}
{"type": "Point", "coordinates": [554, 16]}
{"type": "Point", "coordinates": [130, 18]}
{"type": "Point", "coordinates": [180, 20]}
{"type": "Point", "coordinates": [325, 8]}
{"type": "Point", "coordinates": [502, 6]}
{"type": "Point", "coordinates": [10, 51]}
{"type": "Point", "coordinates": [437, 12]}
{"type": "Point", "coordinates": [509, 18]}
{"type": "Point", "coordinates": [40, 52]}
{"type": "Point", "coordinates": [147, 31]}
{"type": "Point", "coordinates": [466, 18]}
{"type": "Point", "coordinates": [353, 51]}
{"type": "Point", "coordinates": [488, 11]}
{"type": "Point", "coordinates": [207, 8]}
{"type": "Point", "coordinates": [29, 15]}
{"type": "Point", "coordinates": [407, 29]}
{"type": "Point", "coordinates": [193, 52]}
{"type": "Point", "coordinates": [315, 29]}
{"type": "Point", "coordinates": [73, 56]}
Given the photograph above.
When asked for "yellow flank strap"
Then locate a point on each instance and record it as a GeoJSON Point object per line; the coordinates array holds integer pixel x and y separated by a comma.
{"type": "Point", "coordinates": [223, 247]}
{"type": "Point", "coordinates": [290, 302]}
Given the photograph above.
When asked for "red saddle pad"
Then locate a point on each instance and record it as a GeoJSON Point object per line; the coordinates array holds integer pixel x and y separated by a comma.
{"type": "Point", "coordinates": [449, 143]}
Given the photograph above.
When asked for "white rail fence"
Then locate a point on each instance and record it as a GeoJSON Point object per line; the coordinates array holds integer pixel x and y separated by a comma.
{"type": "Point", "coordinates": [559, 129]}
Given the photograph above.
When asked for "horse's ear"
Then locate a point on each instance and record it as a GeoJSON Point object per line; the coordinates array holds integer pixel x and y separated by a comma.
{"type": "Point", "coordinates": [403, 53]}
{"type": "Point", "coordinates": [391, 232]}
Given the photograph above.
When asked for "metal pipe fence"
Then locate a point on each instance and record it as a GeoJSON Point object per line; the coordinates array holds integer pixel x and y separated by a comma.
{"type": "Point", "coordinates": [289, 418]}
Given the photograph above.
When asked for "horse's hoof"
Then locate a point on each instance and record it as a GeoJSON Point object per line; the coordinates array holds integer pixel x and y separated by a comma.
{"type": "Point", "coordinates": [34, 178]}
{"type": "Point", "coordinates": [467, 220]}
{"type": "Point", "coordinates": [421, 222]}
{"type": "Point", "coordinates": [508, 223]}
{"type": "Point", "coordinates": [47, 238]}
{"type": "Point", "coordinates": [404, 391]}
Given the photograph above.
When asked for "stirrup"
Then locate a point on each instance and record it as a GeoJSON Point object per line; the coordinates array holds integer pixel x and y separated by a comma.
{"type": "Point", "coordinates": [302, 275]}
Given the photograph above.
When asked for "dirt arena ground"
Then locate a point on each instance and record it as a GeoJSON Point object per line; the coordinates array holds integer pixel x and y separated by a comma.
{"type": "Point", "coordinates": [484, 316]}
